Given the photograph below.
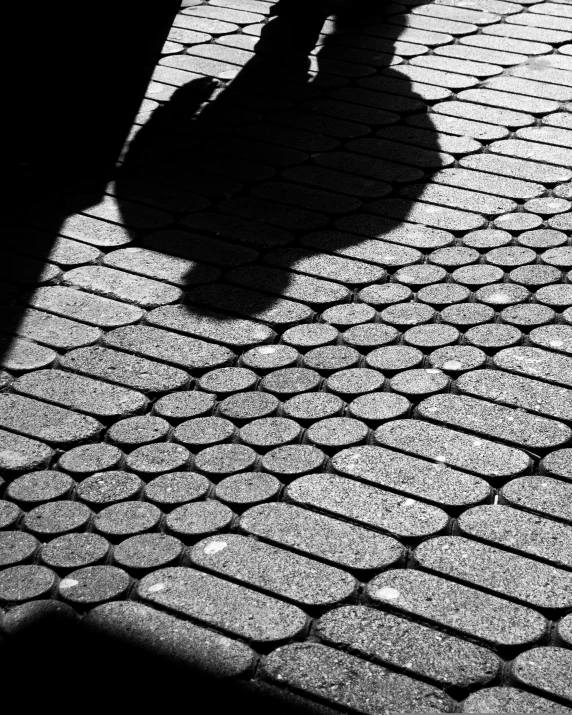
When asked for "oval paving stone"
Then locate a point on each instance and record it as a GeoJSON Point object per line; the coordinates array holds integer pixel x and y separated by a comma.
{"type": "Point", "coordinates": [546, 669]}
{"type": "Point", "coordinates": [540, 494]}
{"type": "Point", "coordinates": [21, 454]}
{"type": "Point", "coordinates": [367, 505]}
{"type": "Point", "coordinates": [517, 577]}
{"type": "Point", "coordinates": [509, 700]}
{"type": "Point", "coordinates": [122, 286]}
{"type": "Point", "coordinates": [281, 573]}
{"type": "Point", "coordinates": [222, 604]}
{"type": "Point", "coordinates": [166, 635]}
{"type": "Point", "coordinates": [526, 533]}
{"type": "Point", "coordinates": [231, 332]}
{"type": "Point", "coordinates": [494, 421]}
{"type": "Point", "coordinates": [346, 545]}
{"type": "Point", "coordinates": [481, 456]}
{"type": "Point", "coordinates": [404, 644]}
{"type": "Point", "coordinates": [85, 307]}
{"type": "Point", "coordinates": [46, 422]}
{"type": "Point", "coordinates": [129, 370]}
{"type": "Point", "coordinates": [403, 473]}
{"type": "Point", "coordinates": [534, 362]}
{"type": "Point", "coordinates": [517, 391]}
{"type": "Point", "coordinates": [81, 393]}
{"type": "Point", "coordinates": [463, 609]}
{"type": "Point", "coordinates": [350, 682]}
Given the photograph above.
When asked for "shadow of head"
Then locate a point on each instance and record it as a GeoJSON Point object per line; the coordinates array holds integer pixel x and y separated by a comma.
{"type": "Point", "coordinates": [318, 144]}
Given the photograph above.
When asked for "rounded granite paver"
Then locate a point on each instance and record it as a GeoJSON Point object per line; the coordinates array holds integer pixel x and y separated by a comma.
{"type": "Point", "coordinates": [422, 651]}
{"type": "Point", "coordinates": [174, 488]}
{"type": "Point", "coordinates": [16, 547]}
{"type": "Point", "coordinates": [350, 682]}
{"type": "Point", "coordinates": [127, 518]}
{"type": "Point", "coordinates": [179, 641]}
{"type": "Point", "coordinates": [228, 606]}
{"type": "Point", "coordinates": [509, 700]}
{"type": "Point", "coordinates": [134, 431]}
{"type": "Point", "coordinates": [42, 486]}
{"type": "Point", "coordinates": [9, 514]}
{"type": "Point", "coordinates": [26, 582]}
{"type": "Point", "coordinates": [153, 459]}
{"type": "Point", "coordinates": [546, 669]}
{"type": "Point", "coordinates": [463, 609]}
{"type": "Point", "coordinates": [198, 519]}
{"type": "Point", "coordinates": [203, 431]}
{"type": "Point", "coordinates": [57, 517]}
{"type": "Point", "coordinates": [248, 488]}
{"type": "Point", "coordinates": [90, 458]}
{"type": "Point", "coordinates": [93, 585]}
{"type": "Point", "coordinates": [147, 551]}
{"type": "Point", "coordinates": [279, 572]}
{"type": "Point", "coordinates": [74, 551]}
{"type": "Point", "coordinates": [558, 464]}
{"type": "Point", "coordinates": [105, 488]}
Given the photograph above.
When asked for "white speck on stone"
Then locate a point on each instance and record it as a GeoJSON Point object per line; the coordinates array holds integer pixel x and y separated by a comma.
{"type": "Point", "coordinates": [440, 458]}
{"type": "Point", "coordinates": [387, 593]}
{"type": "Point", "coordinates": [477, 442]}
{"type": "Point", "coordinates": [433, 370]}
{"type": "Point", "coordinates": [156, 587]}
{"type": "Point", "coordinates": [556, 343]}
{"type": "Point", "coordinates": [68, 583]}
{"type": "Point", "coordinates": [452, 365]}
{"type": "Point", "coordinates": [266, 350]}
{"type": "Point", "coordinates": [215, 546]}
{"type": "Point", "coordinates": [409, 502]}
{"type": "Point", "coordinates": [496, 499]}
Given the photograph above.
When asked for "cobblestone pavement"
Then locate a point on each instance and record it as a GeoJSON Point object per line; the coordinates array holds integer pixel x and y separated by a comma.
{"type": "Point", "coordinates": [297, 393]}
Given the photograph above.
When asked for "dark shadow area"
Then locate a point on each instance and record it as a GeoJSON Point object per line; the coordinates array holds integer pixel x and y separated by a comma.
{"type": "Point", "coordinates": [76, 76]}
{"type": "Point", "coordinates": [53, 663]}
{"type": "Point", "coordinates": [232, 173]}
{"type": "Point", "coordinates": [284, 150]}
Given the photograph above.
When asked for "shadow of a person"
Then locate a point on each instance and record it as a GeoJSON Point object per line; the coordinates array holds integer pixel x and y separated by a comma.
{"type": "Point", "coordinates": [305, 139]}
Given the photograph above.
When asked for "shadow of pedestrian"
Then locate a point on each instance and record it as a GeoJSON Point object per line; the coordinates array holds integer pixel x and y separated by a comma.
{"type": "Point", "coordinates": [304, 150]}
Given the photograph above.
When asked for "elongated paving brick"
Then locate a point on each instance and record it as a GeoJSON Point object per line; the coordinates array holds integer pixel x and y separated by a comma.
{"type": "Point", "coordinates": [186, 352]}
{"type": "Point", "coordinates": [46, 422]}
{"type": "Point", "coordinates": [167, 635]}
{"type": "Point", "coordinates": [85, 307]}
{"type": "Point", "coordinates": [495, 421]}
{"type": "Point", "coordinates": [533, 151]}
{"type": "Point", "coordinates": [464, 609]}
{"type": "Point", "coordinates": [517, 168]}
{"type": "Point", "coordinates": [540, 494]}
{"type": "Point", "coordinates": [49, 329]}
{"type": "Point", "coordinates": [532, 582]}
{"type": "Point", "coordinates": [517, 530]}
{"type": "Point", "coordinates": [162, 267]}
{"type": "Point", "coordinates": [346, 545]}
{"type": "Point", "coordinates": [467, 452]}
{"type": "Point", "coordinates": [233, 333]}
{"type": "Point", "coordinates": [482, 113]}
{"type": "Point", "coordinates": [350, 682]}
{"type": "Point", "coordinates": [479, 181]}
{"type": "Point", "coordinates": [251, 304]}
{"type": "Point", "coordinates": [517, 391]}
{"type": "Point", "coordinates": [373, 251]}
{"type": "Point", "coordinates": [269, 568]}
{"type": "Point", "coordinates": [222, 604]}
{"type": "Point", "coordinates": [505, 699]}
{"type": "Point", "coordinates": [428, 214]}
{"type": "Point", "coordinates": [122, 286]}
{"type": "Point", "coordinates": [460, 126]}
{"type": "Point", "coordinates": [426, 480]}
{"type": "Point", "coordinates": [546, 669]}
{"type": "Point", "coordinates": [407, 645]}
{"type": "Point", "coordinates": [508, 100]}
{"type": "Point", "coordinates": [325, 266]}
{"type": "Point", "coordinates": [21, 454]}
{"type": "Point", "coordinates": [367, 505]}
{"type": "Point", "coordinates": [313, 291]}
{"type": "Point", "coordinates": [534, 362]}
{"type": "Point", "coordinates": [124, 369]}
{"type": "Point", "coordinates": [460, 198]}
{"type": "Point", "coordinates": [81, 393]}
{"type": "Point", "coordinates": [403, 233]}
